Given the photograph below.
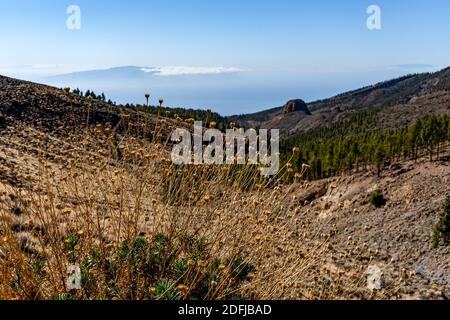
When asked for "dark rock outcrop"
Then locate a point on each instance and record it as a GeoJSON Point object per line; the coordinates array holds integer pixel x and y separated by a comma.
{"type": "Point", "coordinates": [296, 106]}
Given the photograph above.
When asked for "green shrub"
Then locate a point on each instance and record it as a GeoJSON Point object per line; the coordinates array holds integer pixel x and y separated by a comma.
{"type": "Point", "coordinates": [154, 269]}
{"type": "Point", "coordinates": [441, 231]}
{"type": "Point", "coordinates": [377, 199]}
{"type": "Point", "coordinates": [166, 290]}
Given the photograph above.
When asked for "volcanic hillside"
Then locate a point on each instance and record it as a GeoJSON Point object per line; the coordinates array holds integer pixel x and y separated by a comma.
{"type": "Point", "coordinates": [79, 177]}
{"type": "Point", "coordinates": [401, 101]}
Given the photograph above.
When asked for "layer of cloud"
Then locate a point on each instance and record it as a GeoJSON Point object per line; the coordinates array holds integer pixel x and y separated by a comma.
{"type": "Point", "coordinates": [177, 71]}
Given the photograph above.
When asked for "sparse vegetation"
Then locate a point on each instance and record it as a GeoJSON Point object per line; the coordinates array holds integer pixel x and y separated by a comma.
{"type": "Point", "coordinates": [93, 95]}
{"type": "Point", "coordinates": [93, 186]}
{"type": "Point", "coordinates": [204, 237]}
{"type": "Point", "coordinates": [377, 199]}
{"type": "Point", "coordinates": [441, 232]}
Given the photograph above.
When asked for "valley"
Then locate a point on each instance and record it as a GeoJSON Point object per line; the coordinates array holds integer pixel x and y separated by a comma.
{"type": "Point", "coordinates": [90, 184]}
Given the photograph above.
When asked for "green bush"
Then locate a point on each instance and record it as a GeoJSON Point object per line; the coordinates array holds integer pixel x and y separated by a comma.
{"type": "Point", "coordinates": [377, 199]}
{"type": "Point", "coordinates": [153, 269]}
{"type": "Point", "coordinates": [442, 229]}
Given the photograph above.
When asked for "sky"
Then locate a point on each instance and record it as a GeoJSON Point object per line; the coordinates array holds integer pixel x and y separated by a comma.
{"type": "Point", "coordinates": [315, 48]}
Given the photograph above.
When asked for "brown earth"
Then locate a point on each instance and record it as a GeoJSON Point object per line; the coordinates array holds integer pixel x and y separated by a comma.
{"type": "Point", "coordinates": [397, 237]}
{"type": "Point", "coordinates": [41, 122]}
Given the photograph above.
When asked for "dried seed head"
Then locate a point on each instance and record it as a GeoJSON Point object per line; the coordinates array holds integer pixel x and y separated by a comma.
{"type": "Point", "coordinates": [183, 288]}
{"type": "Point", "coordinates": [66, 211]}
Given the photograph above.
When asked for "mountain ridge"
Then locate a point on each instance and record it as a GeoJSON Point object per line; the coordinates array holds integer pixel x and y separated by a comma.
{"type": "Point", "coordinates": [77, 159]}
{"type": "Point", "coordinates": [393, 93]}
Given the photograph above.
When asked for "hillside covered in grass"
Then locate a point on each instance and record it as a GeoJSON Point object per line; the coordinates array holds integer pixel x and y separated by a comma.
{"type": "Point", "coordinates": [89, 185]}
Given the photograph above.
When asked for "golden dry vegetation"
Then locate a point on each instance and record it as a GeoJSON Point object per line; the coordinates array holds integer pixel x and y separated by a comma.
{"type": "Point", "coordinates": [105, 196]}
{"type": "Point", "coordinates": [134, 223]}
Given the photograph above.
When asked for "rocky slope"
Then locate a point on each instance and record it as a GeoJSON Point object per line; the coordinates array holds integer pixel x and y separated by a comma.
{"type": "Point", "coordinates": [39, 122]}
{"type": "Point", "coordinates": [397, 238]}
{"type": "Point", "coordinates": [50, 109]}
{"type": "Point", "coordinates": [410, 97]}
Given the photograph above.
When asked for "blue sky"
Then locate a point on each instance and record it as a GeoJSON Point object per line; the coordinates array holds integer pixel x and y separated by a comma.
{"type": "Point", "coordinates": [289, 39]}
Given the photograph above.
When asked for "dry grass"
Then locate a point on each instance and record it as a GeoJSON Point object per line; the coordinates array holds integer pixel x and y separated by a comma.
{"type": "Point", "coordinates": [140, 228]}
